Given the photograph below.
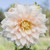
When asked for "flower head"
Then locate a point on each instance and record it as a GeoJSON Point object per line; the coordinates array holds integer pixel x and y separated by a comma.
{"type": "Point", "coordinates": [24, 24]}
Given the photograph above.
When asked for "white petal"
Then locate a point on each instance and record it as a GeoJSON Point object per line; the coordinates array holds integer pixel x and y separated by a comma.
{"type": "Point", "coordinates": [13, 38]}
{"type": "Point", "coordinates": [35, 35]}
{"type": "Point", "coordinates": [15, 29]}
{"type": "Point", "coordinates": [17, 42]}
{"type": "Point", "coordinates": [34, 30]}
{"type": "Point", "coordinates": [8, 29]}
{"type": "Point", "coordinates": [8, 35]}
{"type": "Point", "coordinates": [35, 11]}
{"type": "Point", "coordinates": [23, 41]}
{"type": "Point", "coordinates": [22, 33]}
{"type": "Point", "coordinates": [18, 36]}
{"type": "Point", "coordinates": [3, 21]}
{"type": "Point", "coordinates": [31, 40]}
{"type": "Point", "coordinates": [28, 32]}
{"type": "Point", "coordinates": [10, 14]}
{"type": "Point", "coordinates": [27, 37]}
{"type": "Point", "coordinates": [28, 44]}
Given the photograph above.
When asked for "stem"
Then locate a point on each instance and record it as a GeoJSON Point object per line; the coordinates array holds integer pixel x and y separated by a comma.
{"type": "Point", "coordinates": [15, 46]}
{"type": "Point", "coordinates": [25, 48]}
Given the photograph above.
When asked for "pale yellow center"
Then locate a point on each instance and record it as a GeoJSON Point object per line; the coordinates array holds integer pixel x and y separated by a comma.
{"type": "Point", "coordinates": [25, 25]}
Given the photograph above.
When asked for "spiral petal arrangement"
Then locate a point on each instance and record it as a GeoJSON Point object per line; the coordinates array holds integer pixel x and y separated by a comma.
{"type": "Point", "coordinates": [24, 24]}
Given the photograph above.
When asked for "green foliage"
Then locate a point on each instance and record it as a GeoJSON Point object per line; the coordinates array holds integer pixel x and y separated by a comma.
{"type": "Point", "coordinates": [0, 28]}
{"type": "Point", "coordinates": [2, 48]}
{"type": "Point", "coordinates": [13, 5]}
{"type": "Point", "coordinates": [5, 45]}
{"type": "Point", "coordinates": [42, 44]}
{"type": "Point", "coordinates": [1, 15]}
{"type": "Point", "coordinates": [35, 3]}
{"type": "Point", "coordinates": [46, 34]}
{"type": "Point", "coordinates": [25, 48]}
{"type": "Point", "coordinates": [36, 47]}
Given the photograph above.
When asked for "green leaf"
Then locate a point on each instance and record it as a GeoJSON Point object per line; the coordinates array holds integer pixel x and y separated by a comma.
{"type": "Point", "coordinates": [13, 5]}
{"type": "Point", "coordinates": [35, 3]}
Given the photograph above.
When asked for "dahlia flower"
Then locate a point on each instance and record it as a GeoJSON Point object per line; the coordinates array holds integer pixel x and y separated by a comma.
{"type": "Point", "coordinates": [24, 24]}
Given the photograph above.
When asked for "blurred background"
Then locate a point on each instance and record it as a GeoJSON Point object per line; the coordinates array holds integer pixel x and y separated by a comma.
{"type": "Point", "coordinates": [44, 42]}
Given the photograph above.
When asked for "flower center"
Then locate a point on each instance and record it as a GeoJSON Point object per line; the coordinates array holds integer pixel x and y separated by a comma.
{"type": "Point", "coordinates": [25, 25]}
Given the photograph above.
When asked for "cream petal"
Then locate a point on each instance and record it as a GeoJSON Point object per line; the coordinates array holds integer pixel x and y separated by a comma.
{"type": "Point", "coordinates": [22, 33]}
{"type": "Point", "coordinates": [8, 35]}
{"type": "Point", "coordinates": [8, 29]}
{"type": "Point", "coordinates": [31, 40]}
{"type": "Point", "coordinates": [9, 23]}
{"type": "Point", "coordinates": [42, 17]}
{"type": "Point", "coordinates": [28, 32]}
{"type": "Point", "coordinates": [15, 29]}
{"type": "Point", "coordinates": [27, 37]}
{"type": "Point", "coordinates": [23, 41]}
{"type": "Point", "coordinates": [35, 35]}
{"type": "Point", "coordinates": [10, 14]}
{"type": "Point", "coordinates": [17, 42]}
{"type": "Point", "coordinates": [42, 31]}
{"type": "Point", "coordinates": [34, 30]}
{"type": "Point", "coordinates": [43, 28]}
{"type": "Point", "coordinates": [18, 36]}
{"type": "Point", "coordinates": [35, 11]}
{"type": "Point", "coordinates": [3, 26]}
{"type": "Point", "coordinates": [28, 44]}
{"type": "Point", "coordinates": [13, 38]}
{"type": "Point", "coordinates": [38, 29]}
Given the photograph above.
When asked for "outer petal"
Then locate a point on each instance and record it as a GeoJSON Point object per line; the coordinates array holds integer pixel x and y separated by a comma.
{"type": "Point", "coordinates": [23, 41]}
